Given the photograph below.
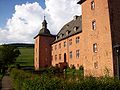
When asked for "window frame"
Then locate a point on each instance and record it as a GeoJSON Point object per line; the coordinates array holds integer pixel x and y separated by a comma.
{"type": "Point", "coordinates": [92, 5]}
{"type": "Point", "coordinates": [70, 42]}
{"type": "Point", "coordinates": [55, 57]}
{"type": "Point", "coordinates": [70, 54]}
{"type": "Point", "coordinates": [77, 53]}
{"type": "Point", "coordinates": [95, 49]}
{"type": "Point", "coordinates": [59, 45]}
{"type": "Point", "coordinates": [77, 40]}
{"type": "Point", "coordinates": [65, 44]}
{"type": "Point", "coordinates": [94, 25]}
{"type": "Point", "coordinates": [59, 56]}
{"type": "Point", "coordinates": [55, 47]}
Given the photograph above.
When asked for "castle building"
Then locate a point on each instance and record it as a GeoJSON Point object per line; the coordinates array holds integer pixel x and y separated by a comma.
{"type": "Point", "coordinates": [42, 48]}
{"type": "Point", "coordinates": [91, 40]}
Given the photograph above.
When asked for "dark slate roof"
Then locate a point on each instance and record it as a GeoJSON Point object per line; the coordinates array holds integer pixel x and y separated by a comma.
{"type": "Point", "coordinates": [81, 1]}
{"type": "Point", "coordinates": [44, 31]}
{"type": "Point", "coordinates": [68, 29]}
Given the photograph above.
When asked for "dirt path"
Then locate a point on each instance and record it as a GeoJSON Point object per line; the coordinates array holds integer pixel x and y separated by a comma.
{"type": "Point", "coordinates": [7, 83]}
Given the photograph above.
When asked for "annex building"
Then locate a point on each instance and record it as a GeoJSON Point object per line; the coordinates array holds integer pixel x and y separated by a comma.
{"type": "Point", "coordinates": [91, 40]}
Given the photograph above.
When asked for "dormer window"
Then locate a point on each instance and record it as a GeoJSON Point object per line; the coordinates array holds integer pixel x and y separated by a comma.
{"type": "Point", "coordinates": [61, 35]}
{"type": "Point", "coordinates": [75, 28]}
{"type": "Point", "coordinates": [67, 32]}
{"type": "Point", "coordinates": [67, 26]}
{"type": "Point", "coordinates": [75, 17]}
{"type": "Point", "coordinates": [56, 37]}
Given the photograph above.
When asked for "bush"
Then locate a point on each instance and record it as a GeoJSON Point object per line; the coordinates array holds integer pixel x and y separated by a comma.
{"type": "Point", "coordinates": [27, 81]}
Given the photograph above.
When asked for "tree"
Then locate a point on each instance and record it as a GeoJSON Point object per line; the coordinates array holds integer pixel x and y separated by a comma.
{"type": "Point", "coordinates": [8, 55]}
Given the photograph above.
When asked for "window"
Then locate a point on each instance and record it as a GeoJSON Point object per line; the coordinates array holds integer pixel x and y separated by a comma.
{"type": "Point", "coordinates": [77, 53]}
{"type": "Point", "coordinates": [92, 5]}
{"type": "Point", "coordinates": [55, 47]}
{"type": "Point", "coordinates": [59, 45]}
{"type": "Point", "coordinates": [59, 56]}
{"type": "Point", "coordinates": [75, 28]}
{"type": "Point", "coordinates": [77, 39]}
{"type": "Point", "coordinates": [61, 35]}
{"type": "Point", "coordinates": [70, 42]}
{"type": "Point", "coordinates": [65, 44]}
{"type": "Point", "coordinates": [36, 50]}
{"type": "Point", "coordinates": [56, 37]}
{"type": "Point", "coordinates": [67, 32]}
{"type": "Point", "coordinates": [55, 57]}
{"type": "Point", "coordinates": [71, 55]}
{"type": "Point", "coordinates": [96, 65]}
{"type": "Point", "coordinates": [95, 48]}
{"type": "Point", "coordinates": [94, 25]}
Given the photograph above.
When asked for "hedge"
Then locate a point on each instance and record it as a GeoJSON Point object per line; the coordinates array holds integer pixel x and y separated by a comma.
{"type": "Point", "coordinates": [27, 81]}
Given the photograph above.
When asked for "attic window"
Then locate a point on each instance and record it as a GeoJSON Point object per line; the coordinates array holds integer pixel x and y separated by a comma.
{"type": "Point", "coordinates": [75, 17]}
{"type": "Point", "coordinates": [67, 32]}
{"type": "Point", "coordinates": [56, 37]}
{"type": "Point", "coordinates": [67, 26]}
{"type": "Point", "coordinates": [61, 35]}
{"type": "Point", "coordinates": [75, 28]}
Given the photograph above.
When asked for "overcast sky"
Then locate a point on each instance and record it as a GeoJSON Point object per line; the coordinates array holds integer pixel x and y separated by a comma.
{"type": "Point", "coordinates": [20, 20]}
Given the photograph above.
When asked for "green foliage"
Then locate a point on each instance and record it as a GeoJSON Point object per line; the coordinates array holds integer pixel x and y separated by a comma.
{"type": "Point", "coordinates": [8, 55]}
{"type": "Point", "coordinates": [26, 58]}
{"type": "Point", "coordinates": [73, 74]}
{"type": "Point", "coordinates": [27, 81]}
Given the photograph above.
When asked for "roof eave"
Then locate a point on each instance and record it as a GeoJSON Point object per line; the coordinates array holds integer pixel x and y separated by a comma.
{"type": "Point", "coordinates": [49, 35]}
{"type": "Point", "coordinates": [81, 1]}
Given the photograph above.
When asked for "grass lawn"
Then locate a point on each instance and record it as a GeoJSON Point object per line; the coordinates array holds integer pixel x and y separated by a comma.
{"type": "Point", "coordinates": [27, 56]}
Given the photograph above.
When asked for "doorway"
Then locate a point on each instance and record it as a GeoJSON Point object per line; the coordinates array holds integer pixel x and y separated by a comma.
{"type": "Point", "coordinates": [64, 57]}
{"type": "Point", "coordinates": [117, 59]}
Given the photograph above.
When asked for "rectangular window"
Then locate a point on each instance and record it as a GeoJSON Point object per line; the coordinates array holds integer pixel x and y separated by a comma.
{"type": "Point", "coordinates": [70, 42]}
{"type": "Point", "coordinates": [95, 48]}
{"type": "Point", "coordinates": [59, 45]}
{"type": "Point", "coordinates": [55, 47]}
{"type": "Point", "coordinates": [77, 53]}
{"type": "Point", "coordinates": [65, 44]}
{"type": "Point", "coordinates": [71, 55]}
{"type": "Point", "coordinates": [77, 40]}
{"type": "Point", "coordinates": [55, 57]}
{"type": "Point", "coordinates": [94, 25]}
{"type": "Point", "coordinates": [92, 5]}
{"type": "Point", "coordinates": [36, 50]}
{"type": "Point", "coordinates": [59, 56]}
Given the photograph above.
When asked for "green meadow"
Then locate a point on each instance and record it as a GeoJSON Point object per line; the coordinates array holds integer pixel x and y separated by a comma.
{"type": "Point", "coordinates": [27, 56]}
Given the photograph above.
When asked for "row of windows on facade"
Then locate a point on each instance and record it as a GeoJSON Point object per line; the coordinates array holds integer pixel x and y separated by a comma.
{"type": "Point", "coordinates": [78, 52]}
{"type": "Point", "coordinates": [70, 55]}
{"type": "Point", "coordinates": [70, 43]}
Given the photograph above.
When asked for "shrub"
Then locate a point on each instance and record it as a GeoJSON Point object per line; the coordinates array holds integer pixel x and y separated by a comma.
{"type": "Point", "coordinates": [26, 81]}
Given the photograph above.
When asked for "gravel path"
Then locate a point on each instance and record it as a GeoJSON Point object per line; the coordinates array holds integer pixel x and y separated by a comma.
{"type": "Point", "coordinates": [7, 83]}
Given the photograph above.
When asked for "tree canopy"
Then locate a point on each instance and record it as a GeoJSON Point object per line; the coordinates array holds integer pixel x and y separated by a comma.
{"type": "Point", "coordinates": [8, 55]}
